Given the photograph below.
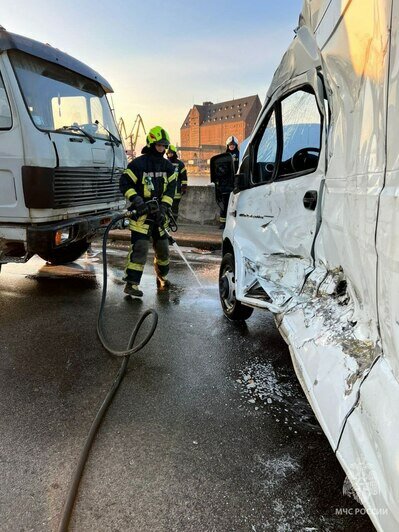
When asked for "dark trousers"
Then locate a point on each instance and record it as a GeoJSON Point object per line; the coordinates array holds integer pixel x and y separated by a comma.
{"type": "Point", "coordinates": [224, 203]}
{"type": "Point", "coordinates": [138, 254]}
{"type": "Point", "coordinates": [175, 208]}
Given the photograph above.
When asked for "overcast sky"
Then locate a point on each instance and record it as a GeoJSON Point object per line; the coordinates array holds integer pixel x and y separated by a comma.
{"type": "Point", "coordinates": [161, 57]}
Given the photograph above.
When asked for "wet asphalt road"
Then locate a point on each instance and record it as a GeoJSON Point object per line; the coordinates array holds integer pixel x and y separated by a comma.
{"type": "Point", "coordinates": [182, 448]}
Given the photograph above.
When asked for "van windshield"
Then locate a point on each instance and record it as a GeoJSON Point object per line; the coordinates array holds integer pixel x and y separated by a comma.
{"type": "Point", "coordinates": [57, 97]}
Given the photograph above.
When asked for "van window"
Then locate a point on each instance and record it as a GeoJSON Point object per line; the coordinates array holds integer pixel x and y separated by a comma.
{"type": "Point", "coordinates": [266, 153]}
{"type": "Point", "coordinates": [5, 111]}
{"type": "Point", "coordinates": [301, 132]}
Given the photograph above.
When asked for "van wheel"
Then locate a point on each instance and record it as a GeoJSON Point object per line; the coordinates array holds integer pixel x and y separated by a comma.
{"type": "Point", "coordinates": [233, 309]}
{"type": "Point", "coordinates": [66, 254]}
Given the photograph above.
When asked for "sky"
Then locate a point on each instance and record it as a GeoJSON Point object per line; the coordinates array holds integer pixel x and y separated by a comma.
{"type": "Point", "coordinates": [161, 57]}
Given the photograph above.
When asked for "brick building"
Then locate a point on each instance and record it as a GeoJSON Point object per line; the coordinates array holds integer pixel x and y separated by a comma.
{"type": "Point", "coordinates": [207, 126]}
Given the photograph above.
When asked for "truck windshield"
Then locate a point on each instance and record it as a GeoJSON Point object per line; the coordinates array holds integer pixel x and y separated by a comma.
{"type": "Point", "coordinates": [56, 97]}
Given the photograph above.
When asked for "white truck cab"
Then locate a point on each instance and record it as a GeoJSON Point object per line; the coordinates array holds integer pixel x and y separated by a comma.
{"type": "Point", "coordinates": [312, 232]}
{"type": "Point", "coordinates": [60, 153]}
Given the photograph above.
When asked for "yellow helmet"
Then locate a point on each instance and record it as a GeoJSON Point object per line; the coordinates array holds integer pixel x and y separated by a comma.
{"type": "Point", "coordinates": [158, 135]}
{"type": "Point", "coordinates": [172, 148]}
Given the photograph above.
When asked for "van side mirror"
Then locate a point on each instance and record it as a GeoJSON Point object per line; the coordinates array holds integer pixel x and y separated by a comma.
{"type": "Point", "coordinates": [241, 182]}
{"type": "Point", "coordinates": [222, 168]}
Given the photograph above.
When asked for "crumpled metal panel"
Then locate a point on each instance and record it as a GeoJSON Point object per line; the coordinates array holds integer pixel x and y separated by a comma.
{"type": "Point", "coordinates": [273, 239]}
{"type": "Point", "coordinates": [355, 65]}
{"type": "Point", "coordinates": [388, 220]}
{"type": "Point", "coordinates": [312, 10]}
{"type": "Point", "coordinates": [333, 328]}
{"type": "Point", "coordinates": [332, 353]}
{"type": "Point", "coordinates": [302, 56]}
{"type": "Point", "coordinates": [347, 241]}
{"type": "Point", "coordinates": [333, 323]}
{"type": "Point", "coordinates": [369, 449]}
{"type": "Point", "coordinates": [279, 277]}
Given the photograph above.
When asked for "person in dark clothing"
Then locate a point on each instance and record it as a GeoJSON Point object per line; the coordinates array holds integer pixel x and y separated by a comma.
{"type": "Point", "coordinates": [149, 177]}
{"type": "Point", "coordinates": [181, 180]}
{"type": "Point", "coordinates": [226, 186]}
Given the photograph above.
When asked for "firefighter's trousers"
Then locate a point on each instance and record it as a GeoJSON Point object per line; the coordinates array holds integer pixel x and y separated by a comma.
{"type": "Point", "coordinates": [223, 206]}
{"type": "Point", "coordinates": [141, 233]}
{"type": "Point", "coordinates": [175, 207]}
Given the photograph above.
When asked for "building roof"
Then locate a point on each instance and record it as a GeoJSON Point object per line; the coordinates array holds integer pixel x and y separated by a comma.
{"type": "Point", "coordinates": [229, 111]}
{"type": "Point", "coordinates": [12, 41]}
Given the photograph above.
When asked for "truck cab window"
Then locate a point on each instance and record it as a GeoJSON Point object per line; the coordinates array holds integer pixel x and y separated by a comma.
{"type": "Point", "coordinates": [266, 153]}
{"type": "Point", "coordinates": [5, 111]}
{"type": "Point", "coordinates": [68, 110]}
{"type": "Point", "coordinates": [301, 121]}
{"type": "Point", "coordinates": [57, 97]}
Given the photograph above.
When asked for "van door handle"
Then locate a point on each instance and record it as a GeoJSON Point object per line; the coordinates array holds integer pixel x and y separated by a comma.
{"type": "Point", "coordinates": [310, 200]}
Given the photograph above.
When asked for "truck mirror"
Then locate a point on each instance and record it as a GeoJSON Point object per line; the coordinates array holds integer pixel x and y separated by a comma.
{"type": "Point", "coordinates": [222, 168]}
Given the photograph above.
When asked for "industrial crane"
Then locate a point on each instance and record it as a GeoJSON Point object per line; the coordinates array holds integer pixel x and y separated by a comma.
{"type": "Point", "coordinates": [132, 137]}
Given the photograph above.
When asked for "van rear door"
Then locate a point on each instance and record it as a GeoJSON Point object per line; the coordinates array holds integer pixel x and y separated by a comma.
{"type": "Point", "coordinates": [277, 218]}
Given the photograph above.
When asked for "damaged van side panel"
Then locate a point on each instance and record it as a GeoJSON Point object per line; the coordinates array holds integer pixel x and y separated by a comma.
{"type": "Point", "coordinates": [336, 303]}
{"type": "Point", "coordinates": [349, 371]}
{"type": "Point", "coordinates": [336, 341]}
{"type": "Point", "coordinates": [371, 436]}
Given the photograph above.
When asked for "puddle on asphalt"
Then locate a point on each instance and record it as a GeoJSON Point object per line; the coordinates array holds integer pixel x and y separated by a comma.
{"type": "Point", "coordinates": [278, 394]}
{"type": "Point", "coordinates": [37, 268]}
{"type": "Point", "coordinates": [67, 270]}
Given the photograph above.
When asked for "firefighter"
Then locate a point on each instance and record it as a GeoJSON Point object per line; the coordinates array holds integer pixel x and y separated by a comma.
{"type": "Point", "coordinates": [225, 187]}
{"type": "Point", "coordinates": [232, 148]}
{"type": "Point", "coordinates": [149, 184]}
{"type": "Point", "coordinates": [181, 180]}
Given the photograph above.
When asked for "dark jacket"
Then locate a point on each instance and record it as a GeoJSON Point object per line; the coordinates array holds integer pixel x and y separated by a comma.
{"type": "Point", "coordinates": [225, 185]}
{"type": "Point", "coordinates": [181, 180]}
{"type": "Point", "coordinates": [149, 176]}
{"type": "Point", "coordinates": [236, 157]}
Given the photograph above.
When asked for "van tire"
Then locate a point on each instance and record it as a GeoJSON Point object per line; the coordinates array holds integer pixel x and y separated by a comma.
{"type": "Point", "coordinates": [65, 254]}
{"type": "Point", "coordinates": [234, 310]}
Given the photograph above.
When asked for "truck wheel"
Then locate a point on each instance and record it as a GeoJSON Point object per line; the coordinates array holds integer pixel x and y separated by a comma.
{"type": "Point", "coordinates": [66, 254]}
{"type": "Point", "coordinates": [233, 309]}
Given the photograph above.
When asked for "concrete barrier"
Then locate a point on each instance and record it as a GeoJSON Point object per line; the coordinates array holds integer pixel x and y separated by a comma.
{"type": "Point", "coordinates": [199, 206]}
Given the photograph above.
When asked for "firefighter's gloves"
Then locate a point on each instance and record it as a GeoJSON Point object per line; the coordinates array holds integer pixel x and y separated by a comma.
{"type": "Point", "coordinates": [161, 215]}
{"type": "Point", "coordinates": [183, 189]}
{"type": "Point", "coordinates": [138, 208]}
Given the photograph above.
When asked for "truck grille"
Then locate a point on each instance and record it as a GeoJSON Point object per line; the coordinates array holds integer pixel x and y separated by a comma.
{"type": "Point", "coordinates": [85, 186]}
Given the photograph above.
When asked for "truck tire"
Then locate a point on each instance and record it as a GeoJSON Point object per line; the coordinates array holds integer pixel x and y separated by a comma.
{"type": "Point", "coordinates": [234, 310]}
{"type": "Point", "coordinates": [66, 254]}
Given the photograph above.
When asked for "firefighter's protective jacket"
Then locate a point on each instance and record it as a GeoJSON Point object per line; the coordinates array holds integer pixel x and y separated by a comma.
{"type": "Point", "coordinates": [150, 176]}
{"type": "Point", "coordinates": [181, 179]}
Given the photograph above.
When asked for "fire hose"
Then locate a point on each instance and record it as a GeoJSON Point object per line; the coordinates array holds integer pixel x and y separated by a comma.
{"type": "Point", "coordinates": [125, 354]}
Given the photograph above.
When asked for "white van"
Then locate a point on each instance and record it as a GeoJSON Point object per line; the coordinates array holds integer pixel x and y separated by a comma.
{"type": "Point", "coordinates": [313, 232]}
{"type": "Point", "coordinates": [60, 153]}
